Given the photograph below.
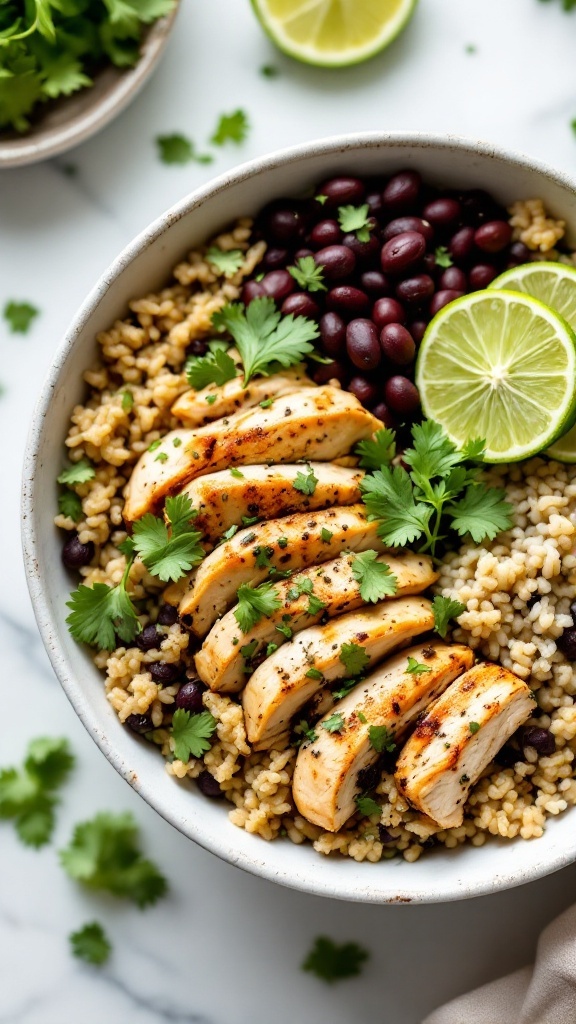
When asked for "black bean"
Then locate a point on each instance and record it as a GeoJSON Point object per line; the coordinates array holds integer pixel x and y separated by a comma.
{"type": "Point", "coordinates": [344, 298]}
{"type": "Point", "coordinates": [167, 615]}
{"type": "Point", "coordinates": [397, 344]}
{"type": "Point", "coordinates": [275, 259]}
{"type": "Point", "coordinates": [481, 274]}
{"type": "Point", "coordinates": [442, 212]}
{"type": "Point", "coordinates": [139, 723]}
{"type": "Point", "coordinates": [283, 224]}
{"type": "Point", "coordinates": [401, 395]}
{"type": "Point", "coordinates": [418, 329]}
{"type": "Point", "coordinates": [573, 612]}
{"type": "Point", "coordinates": [520, 252]}
{"type": "Point", "coordinates": [368, 778]}
{"type": "Point", "coordinates": [333, 334]}
{"type": "Point", "coordinates": [75, 554]}
{"type": "Point", "coordinates": [493, 236]}
{"type": "Point", "coordinates": [364, 390]}
{"type": "Point", "coordinates": [478, 206]}
{"type": "Point", "coordinates": [375, 283]}
{"type": "Point", "coordinates": [148, 639]}
{"type": "Point", "coordinates": [507, 756]}
{"type": "Point", "coordinates": [453, 277]}
{"type": "Point", "coordinates": [402, 251]}
{"type": "Point", "coordinates": [198, 347]}
{"type": "Point", "coordinates": [300, 304]}
{"type": "Point", "coordinates": [429, 263]}
{"type": "Point", "coordinates": [566, 644]}
{"type": "Point", "coordinates": [328, 371]}
{"type": "Point", "coordinates": [362, 344]}
{"type": "Point", "coordinates": [541, 740]}
{"type": "Point", "coordinates": [402, 191]}
{"type": "Point", "coordinates": [337, 260]}
{"type": "Point", "coordinates": [415, 289]}
{"type": "Point", "coordinates": [189, 696]}
{"type": "Point", "coordinates": [325, 232]}
{"type": "Point", "coordinates": [402, 224]}
{"type": "Point", "coordinates": [460, 245]}
{"type": "Point", "coordinates": [278, 284]}
{"type": "Point", "coordinates": [208, 785]}
{"type": "Point", "coordinates": [442, 298]}
{"type": "Point", "coordinates": [164, 672]}
{"type": "Point", "coordinates": [342, 192]}
{"type": "Point", "coordinates": [387, 311]}
{"type": "Point", "coordinates": [362, 250]}
{"type": "Point", "coordinates": [385, 836]}
{"type": "Point", "coordinates": [375, 204]}
{"type": "Point", "coordinates": [252, 290]}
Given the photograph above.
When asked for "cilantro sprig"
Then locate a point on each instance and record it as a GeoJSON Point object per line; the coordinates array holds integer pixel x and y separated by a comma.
{"type": "Point", "coordinates": [308, 274]}
{"type": "Point", "coordinates": [100, 612]}
{"type": "Point", "coordinates": [379, 451]}
{"type": "Point", "coordinates": [265, 338]}
{"type": "Point", "coordinates": [232, 127]}
{"type": "Point", "coordinates": [169, 553]}
{"type": "Point", "coordinates": [226, 262]}
{"type": "Point", "coordinates": [216, 367]}
{"type": "Point", "coordinates": [254, 603]}
{"type": "Point", "coordinates": [28, 794]}
{"type": "Point", "coordinates": [439, 492]}
{"type": "Point", "coordinates": [179, 149]}
{"type": "Point", "coordinates": [376, 579]}
{"type": "Point", "coordinates": [90, 943]}
{"type": "Point", "coordinates": [355, 219]}
{"type": "Point", "coordinates": [444, 609]}
{"type": "Point", "coordinates": [332, 962]}
{"type": "Point", "coordinates": [18, 315]}
{"type": "Point", "coordinates": [191, 733]}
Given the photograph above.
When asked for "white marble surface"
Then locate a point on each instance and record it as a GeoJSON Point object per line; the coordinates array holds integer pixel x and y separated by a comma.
{"type": "Point", "coordinates": [225, 948]}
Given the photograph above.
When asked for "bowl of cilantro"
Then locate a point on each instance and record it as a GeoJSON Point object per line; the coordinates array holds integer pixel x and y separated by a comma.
{"type": "Point", "coordinates": [443, 873]}
{"type": "Point", "coordinates": [67, 71]}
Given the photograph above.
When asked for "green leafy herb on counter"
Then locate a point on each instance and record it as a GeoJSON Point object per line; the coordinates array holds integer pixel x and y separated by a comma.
{"type": "Point", "coordinates": [231, 128]}
{"type": "Point", "coordinates": [332, 962]}
{"type": "Point", "coordinates": [90, 943]}
{"type": "Point", "coordinates": [18, 315]}
{"type": "Point", "coordinates": [104, 853]}
{"type": "Point", "coordinates": [28, 794]}
{"type": "Point", "coordinates": [179, 149]}
{"type": "Point", "coordinates": [265, 338]}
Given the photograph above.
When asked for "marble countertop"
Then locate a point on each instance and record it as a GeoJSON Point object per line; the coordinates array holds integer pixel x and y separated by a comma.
{"type": "Point", "coordinates": [224, 947]}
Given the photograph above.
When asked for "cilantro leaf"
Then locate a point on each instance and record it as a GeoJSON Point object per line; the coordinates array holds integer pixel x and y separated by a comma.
{"type": "Point", "coordinates": [49, 761]}
{"type": "Point", "coordinates": [482, 512]}
{"type": "Point", "coordinates": [379, 451]}
{"type": "Point", "coordinates": [354, 658]}
{"type": "Point", "coordinates": [355, 219]}
{"type": "Point", "coordinates": [444, 609]}
{"type": "Point", "coordinates": [332, 962]}
{"type": "Point", "coordinates": [19, 316]}
{"type": "Point", "coordinates": [191, 733]}
{"type": "Point", "coordinates": [314, 673]}
{"type": "Point", "coordinates": [175, 148]}
{"type": "Point", "coordinates": [100, 612]}
{"type": "Point", "coordinates": [433, 454]}
{"type": "Point", "coordinates": [308, 274]}
{"type": "Point", "coordinates": [380, 739]}
{"type": "Point", "coordinates": [254, 603]}
{"type": "Point", "coordinates": [78, 473]}
{"type": "Point", "coordinates": [214, 368]}
{"type": "Point", "coordinates": [264, 337]}
{"type": "Point", "coordinates": [388, 495]}
{"type": "Point", "coordinates": [27, 794]}
{"type": "Point", "coordinates": [346, 688]}
{"type": "Point", "coordinates": [90, 943]}
{"type": "Point", "coordinates": [305, 482]}
{"type": "Point", "coordinates": [474, 449]}
{"type": "Point", "coordinates": [70, 504]}
{"type": "Point", "coordinates": [305, 732]}
{"type": "Point", "coordinates": [443, 257]}
{"type": "Point", "coordinates": [415, 668]}
{"type": "Point", "coordinates": [104, 854]}
{"type": "Point", "coordinates": [367, 806]}
{"type": "Point", "coordinates": [375, 578]}
{"type": "Point", "coordinates": [127, 401]}
{"type": "Point", "coordinates": [335, 723]}
{"type": "Point", "coordinates": [231, 128]}
{"type": "Point", "coordinates": [63, 76]}
{"type": "Point", "coordinates": [474, 727]}
{"type": "Point", "coordinates": [226, 262]}
{"type": "Point", "coordinates": [169, 555]}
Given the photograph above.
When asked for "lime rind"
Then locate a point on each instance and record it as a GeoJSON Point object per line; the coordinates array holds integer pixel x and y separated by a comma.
{"type": "Point", "coordinates": [309, 16]}
{"type": "Point", "coordinates": [476, 379]}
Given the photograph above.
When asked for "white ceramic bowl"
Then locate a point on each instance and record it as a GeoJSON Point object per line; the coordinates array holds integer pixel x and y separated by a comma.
{"type": "Point", "coordinates": [72, 119]}
{"type": "Point", "coordinates": [440, 875]}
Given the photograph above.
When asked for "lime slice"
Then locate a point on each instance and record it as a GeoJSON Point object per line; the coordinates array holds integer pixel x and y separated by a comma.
{"type": "Point", "coordinates": [333, 33]}
{"type": "Point", "coordinates": [499, 365]}
{"type": "Point", "coordinates": [554, 284]}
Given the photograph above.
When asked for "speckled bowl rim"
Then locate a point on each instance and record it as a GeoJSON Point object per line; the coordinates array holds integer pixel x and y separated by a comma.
{"type": "Point", "coordinates": [378, 888]}
{"type": "Point", "coordinates": [35, 146]}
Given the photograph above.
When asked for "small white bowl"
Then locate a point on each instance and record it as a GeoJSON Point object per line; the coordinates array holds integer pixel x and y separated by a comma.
{"type": "Point", "coordinates": [71, 120]}
{"type": "Point", "coordinates": [440, 875]}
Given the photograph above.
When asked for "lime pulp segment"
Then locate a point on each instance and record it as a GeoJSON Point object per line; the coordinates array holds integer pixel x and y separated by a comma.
{"type": "Point", "coordinates": [333, 32]}
{"type": "Point", "coordinates": [552, 283]}
{"type": "Point", "coordinates": [501, 366]}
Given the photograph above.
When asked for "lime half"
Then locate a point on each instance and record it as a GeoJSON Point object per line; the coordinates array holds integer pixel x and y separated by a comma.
{"type": "Point", "coordinates": [554, 284]}
{"type": "Point", "coordinates": [499, 365]}
{"type": "Point", "coordinates": [333, 33]}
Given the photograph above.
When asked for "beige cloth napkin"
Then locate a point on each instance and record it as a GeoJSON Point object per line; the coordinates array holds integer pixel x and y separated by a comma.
{"type": "Point", "coordinates": [543, 994]}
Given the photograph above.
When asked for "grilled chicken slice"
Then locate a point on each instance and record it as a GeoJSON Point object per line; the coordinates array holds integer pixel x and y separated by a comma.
{"type": "Point", "coordinates": [220, 663]}
{"type": "Point", "coordinates": [458, 737]}
{"type": "Point", "coordinates": [267, 491]}
{"type": "Point", "coordinates": [287, 679]}
{"type": "Point", "coordinates": [326, 776]}
{"type": "Point", "coordinates": [313, 423]}
{"type": "Point", "coordinates": [195, 408]}
{"type": "Point", "coordinates": [290, 543]}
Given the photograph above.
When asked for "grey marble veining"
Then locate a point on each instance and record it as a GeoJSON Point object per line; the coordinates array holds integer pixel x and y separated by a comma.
{"type": "Point", "coordinates": [224, 947]}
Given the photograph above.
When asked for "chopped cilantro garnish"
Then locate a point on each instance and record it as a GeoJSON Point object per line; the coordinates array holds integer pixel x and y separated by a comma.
{"type": "Point", "coordinates": [285, 630]}
{"type": "Point", "coordinates": [236, 473]}
{"type": "Point", "coordinates": [211, 399]}
{"type": "Point", "coordinates": [169, 554]}
{"type": "Point", "coordinates": [154, 445]}
{"type": "Point", "coordinates": [229, 533]}
{"type": "Point", "coordinates": [332, 962]}
{"type": "Point", "coordinates": [335, 723]}
{"type": "Point", "coordinates": [473, 726]}
{"type": "Point", "coordinates": [18, 315]}
{"type": "Point", "coordinates": [127, 401]}
{"type": "Point", "coordinates": [305, 732]}
{"type": "Point", "coordinates": [354, 658]}
{"type": "Point", "coordinates": [249, 650]}
{"type": "Point", "coordinates": [231, 128]}
{"type": "Point", "coordinates": [264, 337]}
{"type": "Point", "coordinates": [443, 257]}
{"type": "Point", "coordinates": [375, 578]}
{"type": "Point", "coordinates": [263, 557]}
{"type": "Point", "coordinates": [415, 668]}
{"type": "Point", "coordinates": [269, 71]}
{"type": "Point", "coordinates": [305, 482]}
{"type": "Point", "coordinates": [321, 198]}
{"type": "Point", "coordinates": [308, 274]}
{"type": "Point", "coordinates": [444, 609]}
{"type": "Point", "coordinates": [191, 733]}
{"type": "Point", "coordinates": [254, 603]}
{"type": "Point", "coordinates": [226, 262]}
{"type": "Point", "coordinates": [70, 504]}
{"type": "Point", "coordinates": [355, 219]}
{"type": "Point", "coordinates": [270, 648]}
{"type": "Point", "coordinates": [249, 521]}
{"type": "Point", "coordinates": [91, 944]}
{"type": "Point", "coordinates": [314, 673]}
{"type": "Point", "coordinates": [380, 739]}
{"type": "Point", "coordinates": [78, 473]}
{"type": "Point", "coordinates": [104, 854]}
{"type": "Point", "coordinates": [161, 457]}
{"type": "Point", "coordinates": [282, 542]}
{"type": "Point", "coordinates": [326, 535]}
{"type": "Point", "coordinates": [266, 403]}
{"type": "Point", "coordinates": [346, 688]}
{"type": "Point", "coordinates": [377, 452]}
{"type": "Point", "coordinates": [367, 806]}
{"type": "Point", "coordinates": [176, 442]}
{"type": "Point", "coordinates": [27, 794]}
{"type": "Point", "coordinates": [215, 367]}
{"type": "Point", "coordinates": [99, 613]}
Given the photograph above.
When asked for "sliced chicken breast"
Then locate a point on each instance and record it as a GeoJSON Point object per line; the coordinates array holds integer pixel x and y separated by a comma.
{"type": "Point", "coordinates": [318, 423]}
{"type": "Point", "coordinates": [220, 663]}
{"type": "Point", "coordinates": [458, 737]}
{"type": "Point", "coordinates": [287, 679]}
{"type": "Point", "coordinates": [195, 408]}
{"type": "Point", "coordinates": [288, 544]}
{"type": "Point", "coordinates": [326, 775]}
{"type": "Point", "coordinates": [222, 499]}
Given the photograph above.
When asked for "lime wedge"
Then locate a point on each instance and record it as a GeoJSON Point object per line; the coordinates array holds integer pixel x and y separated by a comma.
{"type": "Point", "coordinates": [333, 33]}
{"type": "Point", "coordinates": [499, 365]}
{"type": "Point", "coordinates": [554, 284]}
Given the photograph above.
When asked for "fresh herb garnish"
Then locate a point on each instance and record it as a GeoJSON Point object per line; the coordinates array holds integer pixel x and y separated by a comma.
{"type": "Point", "coordinates": [326, 535]}
{"type": "Point", "coordinates": [191, 733]}
{"type": "Point", "coordinates": [332, 962]}
{"type": "Point", "coordinates": [269, 71]}
{"type": "Point", "coordinates": [270, 649]}
{"type": "Point", "coordinates": [70, 504]}
{"type": "Point", "coordinates": [285, 630]}
{"type": "Point", "coordinates": [308, 274]}
{"type": "Point", "coordinates": [314, 673]}
{"type": "Point", "coordinates": [231, 128]}
{"type": "Point", "coordinates": [474, 727]}
{"type": "Point", "coordinates": [265, 403]}
{"type": "Point", "coordinates": [236, 473]}
{"type": "Point", "coordinates": [216, 367]}
{"type": "Point", "coordinates": [438, 493]}
{"type": "Point", "coordinates": [375, 578]}
{"type": "Point", "coordinates": [415, 668]}
{"type": "Point", "coordinates": [262, 555]}
{"type": "Point", "coordinates": [377, 452]}
{"type": "Point", "coordinates": [90, 943]}
{"type": "Point", "coordinates": [249, 650]}
{"type": "Point", "coordinates": [354, 658]}
{"type": "Point", "coordinates": [100, 612]}
{"type": "Point", "coordinates": [305, 733]}
{"type": "Point", "coordinates": [367, 806]}
{"type": "Point", "coordinates": [18, 315]}
{"type": "Point", "coordinates": [27, 794]}
{"type": "Point", "coordinates": [335, 723]}
{"type": "Point", "coordinates": [355, 219]}
{"type": "Point", "coordinates": [229, 533]}
{"type": "Point", "coordinates": [169, 553]}
{"type": "Point", "coordinates": [226, 262]}
{"type": "Point", "coordinates": [264, 337]}
{"type": "Point", "coordinates": [254, 603]}
{"type": "Point", "coordinates": [127, 401]}
{"type": "Point", "coordinates": [179, 149]}
{"type": "Point", "coordinates": [78, 473]}
{"type": "Point", "coordinates": [346, 688]}
{"type": "Point", "coordinates": [380, 739]}
{"type": "Point", "coordinates": [282, 542]}
{"type": "Point", "coordinates": [443, 257]}
{"type": "Point", "coordinates": [444, 609]}
{"type": "Point", "coordinates": [104, 853]}
{"type": "Point", "coordinates": [305, 482]}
